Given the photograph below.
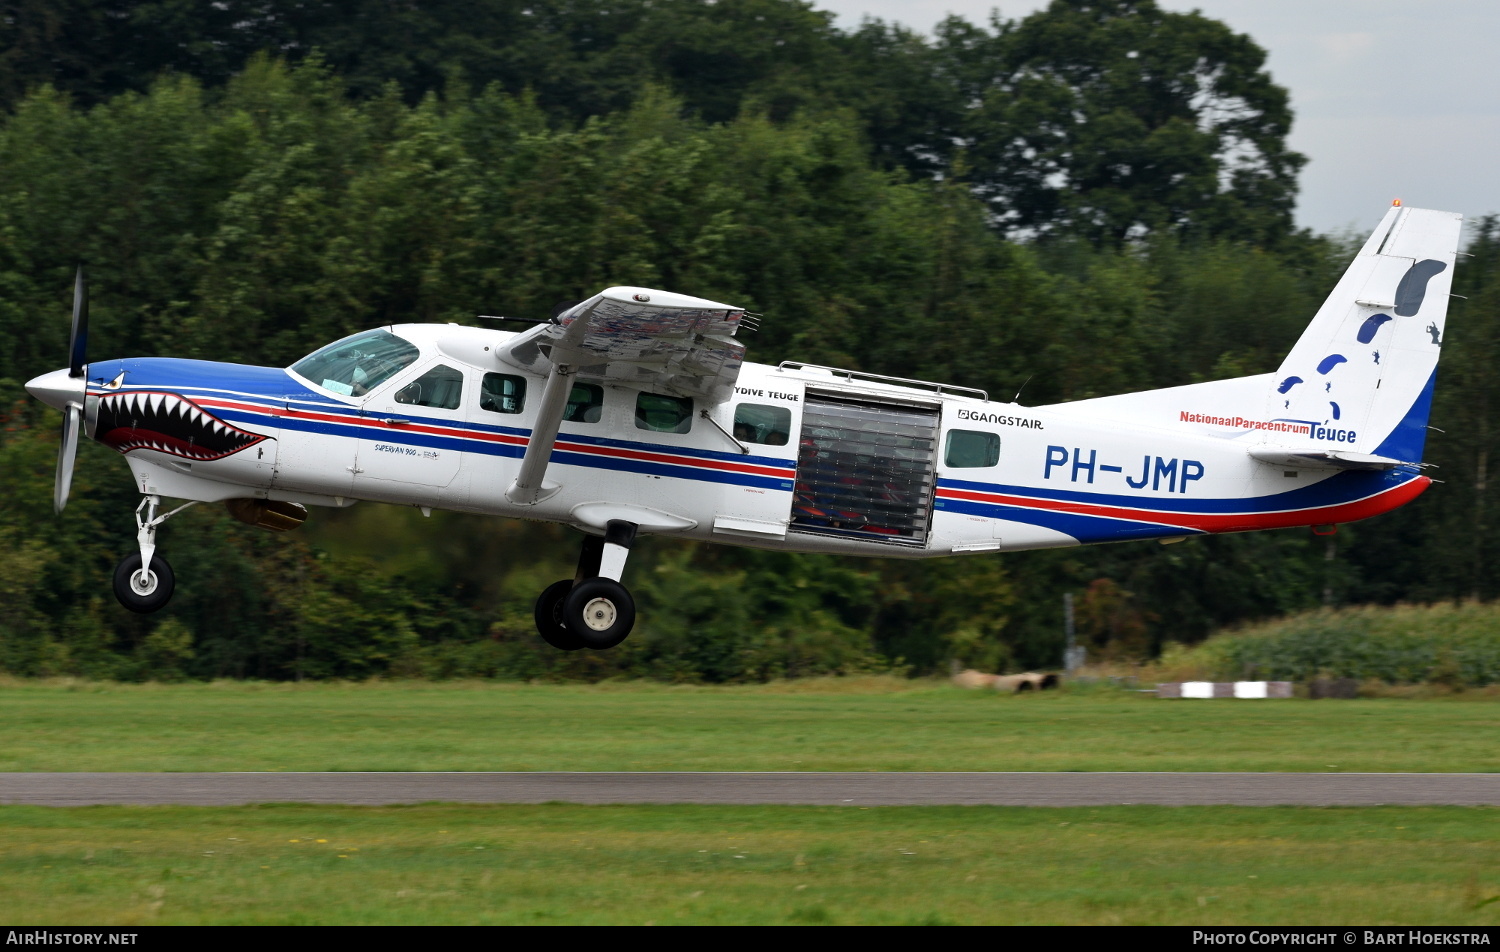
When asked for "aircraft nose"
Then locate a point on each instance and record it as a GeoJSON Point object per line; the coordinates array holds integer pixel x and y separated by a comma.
{"type": "Point", "coordinates": [57, 389]}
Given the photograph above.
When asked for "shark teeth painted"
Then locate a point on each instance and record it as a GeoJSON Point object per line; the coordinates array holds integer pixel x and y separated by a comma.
{"type": "Point", "coordinates": [167, 423]}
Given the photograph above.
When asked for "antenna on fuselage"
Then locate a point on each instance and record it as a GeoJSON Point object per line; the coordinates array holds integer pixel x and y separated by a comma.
{"type": "Point", "coordinates": [519, 320]}
{"type": "Point", "coordinates": [1017, 397]}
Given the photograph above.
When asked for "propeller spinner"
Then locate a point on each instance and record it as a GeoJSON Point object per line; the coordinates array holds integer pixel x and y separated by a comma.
{"type": "Point", "coordinates": [64, 389]}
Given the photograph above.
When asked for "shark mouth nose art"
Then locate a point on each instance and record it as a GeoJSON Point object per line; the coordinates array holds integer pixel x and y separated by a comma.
{"type": "Point", "coordinates": [167, 423]}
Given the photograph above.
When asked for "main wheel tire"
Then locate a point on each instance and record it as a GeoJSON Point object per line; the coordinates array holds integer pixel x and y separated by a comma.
{"type": "Point", "coordinates": [144, 592]}
{"type": "Point", "coordinates": [549, 619]}
{"type": "Point", "coordinates": [599, 612]}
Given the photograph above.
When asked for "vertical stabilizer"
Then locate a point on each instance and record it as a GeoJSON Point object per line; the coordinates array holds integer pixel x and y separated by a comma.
{"type": "Point", "coordinates": [1360, 378]}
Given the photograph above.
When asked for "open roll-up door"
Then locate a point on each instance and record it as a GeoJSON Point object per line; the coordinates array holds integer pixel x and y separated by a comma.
{"type": "Point", "coordinates": [865, 469]}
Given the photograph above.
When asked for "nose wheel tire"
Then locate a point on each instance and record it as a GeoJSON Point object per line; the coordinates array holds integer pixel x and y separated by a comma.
{"type": "Point", "coordinates": [144, 592]}
{"type": "Point", "coordinates": [549, 619]}
{"type": "Point", "coordinates": [599, 612]}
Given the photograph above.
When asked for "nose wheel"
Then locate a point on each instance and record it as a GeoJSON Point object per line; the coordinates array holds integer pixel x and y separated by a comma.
{"type": "Point", "coordinates": [144, 590]}
{"type": "Point", "coordinates": [592, 609]}
{"type": "Point", "coordinates": [143, 580]}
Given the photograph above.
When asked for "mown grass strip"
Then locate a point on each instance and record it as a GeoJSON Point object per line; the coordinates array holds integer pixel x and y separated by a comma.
{"type": "Point", "coordinates": [874, 724]}
{"type": "Point", "coordinates": [696, 865]}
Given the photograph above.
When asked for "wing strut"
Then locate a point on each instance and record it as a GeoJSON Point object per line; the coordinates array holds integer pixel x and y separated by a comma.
{"type": "Point", "coordinates": [529, 487]}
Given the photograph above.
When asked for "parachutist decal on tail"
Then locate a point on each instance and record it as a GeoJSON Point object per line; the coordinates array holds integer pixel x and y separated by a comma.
{"type": "Point", "coordinates": [634, 413]}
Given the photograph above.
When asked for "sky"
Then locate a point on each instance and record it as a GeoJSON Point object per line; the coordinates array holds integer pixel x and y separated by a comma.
{"type": "Point", "coordinates": [1392, 99]}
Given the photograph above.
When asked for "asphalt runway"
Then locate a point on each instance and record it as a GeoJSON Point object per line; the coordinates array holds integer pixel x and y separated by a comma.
{"type": "Point", "coordinates": [836, 789]}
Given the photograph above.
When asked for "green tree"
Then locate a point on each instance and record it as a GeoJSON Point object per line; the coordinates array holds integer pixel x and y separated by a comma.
{"type": "Point", "coordinates": [1109, 119]}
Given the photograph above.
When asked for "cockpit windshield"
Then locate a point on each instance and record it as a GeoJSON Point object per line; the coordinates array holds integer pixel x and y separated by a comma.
{"type": "Point", "coordinates": [355, 365]}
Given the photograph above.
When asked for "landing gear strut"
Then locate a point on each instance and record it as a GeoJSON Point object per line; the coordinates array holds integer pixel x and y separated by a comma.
{"type": "Point", "coordinates": [143, 580]}
{"type": "Point", "coordinates": [591, 610]}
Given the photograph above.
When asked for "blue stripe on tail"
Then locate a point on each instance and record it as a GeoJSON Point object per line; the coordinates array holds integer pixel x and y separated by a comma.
{"type": "Point", "coordinates": [1409, 437]}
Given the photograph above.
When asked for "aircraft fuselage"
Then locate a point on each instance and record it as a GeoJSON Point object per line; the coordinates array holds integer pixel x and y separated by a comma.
{"type": "Point", "coordinates": [801, 458]}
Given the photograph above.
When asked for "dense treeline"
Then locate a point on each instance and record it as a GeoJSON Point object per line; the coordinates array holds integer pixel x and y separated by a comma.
{"type": "Point", "coordinates": [1108, 119]}
{"type": "Point", "coordinates": [1026, 203]}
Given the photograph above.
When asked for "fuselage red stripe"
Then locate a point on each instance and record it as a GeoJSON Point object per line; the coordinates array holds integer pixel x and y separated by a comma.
{"type": "Point", "coordinates": [674, 459]}
{"type": "Point", "coordinates": [1374, 505]}
{"type": "Point", "coordinates": [511, 439]}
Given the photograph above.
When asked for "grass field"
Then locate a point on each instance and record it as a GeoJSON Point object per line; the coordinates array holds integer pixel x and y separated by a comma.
{"type": "Point", "coordinates": [682, 865]}
{"type": "Point", "coordinates": [560, 863]}
{"type": "Point", "coordinates": [856, 724]}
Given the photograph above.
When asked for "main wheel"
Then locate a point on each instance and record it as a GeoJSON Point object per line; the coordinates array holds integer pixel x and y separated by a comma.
{"type": "Point", "coordinates": [549, 622]}
{"type": "Point", "coordinates": [144, 592]}
{"type": "Point", "coordinates": [599, 612]}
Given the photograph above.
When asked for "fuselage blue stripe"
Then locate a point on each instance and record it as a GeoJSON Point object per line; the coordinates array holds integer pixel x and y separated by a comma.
{"type": "Point", "coordinates": [614, 442]}
{"type": "Point", "coordinates": [592, 461]}
{"type": "Point", "coordinates": [275, 390]}
{"type": "Point", "coordinates": [1342, 487]}
{"type": "Point", "coordinates": [1084, 528]}
{"type": "Point", "coordinates": [366, 428]}
{"type": "Point", "coordinates": [397, 437]}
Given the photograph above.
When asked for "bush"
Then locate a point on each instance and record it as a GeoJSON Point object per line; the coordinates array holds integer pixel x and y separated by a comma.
{"type": "Point", "coordinates": [1457, 645]}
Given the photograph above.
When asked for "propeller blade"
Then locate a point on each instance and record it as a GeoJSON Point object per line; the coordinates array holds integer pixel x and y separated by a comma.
{"type": "Point", "coordinates": [79, 339]}
{"type": "Point", "coordinates": [67, 452]}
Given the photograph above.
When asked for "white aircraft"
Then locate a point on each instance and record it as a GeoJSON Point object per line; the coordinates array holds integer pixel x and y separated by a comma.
{"type": "Point", "coordinates": [633, 412]}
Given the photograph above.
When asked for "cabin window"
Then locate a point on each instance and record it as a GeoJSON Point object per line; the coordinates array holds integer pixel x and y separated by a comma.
{"type": "Point", "coordinates": [356, 365]}
{"type": "Point", "coordinates": [502, 393]}
{"type": "Point", "coordinates": [439, 387]}
{"type": "Point", "coordinates": [663, 414]}
{"type": "Point", "coordinates": [756, 423]}
{"type": "Point", "coordinates": [970, 449]}
{"type": "Point", "coordinates": [585, 404]}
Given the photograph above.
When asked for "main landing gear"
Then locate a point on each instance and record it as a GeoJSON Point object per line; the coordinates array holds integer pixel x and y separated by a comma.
{"type": "Point", "coordinates": [592, 609]}
{"type": "Point", "coordinates": [143, 580]}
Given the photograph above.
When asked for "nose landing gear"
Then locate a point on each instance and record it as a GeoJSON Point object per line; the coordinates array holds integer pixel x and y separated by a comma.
{"type": "Point", "coordinates": [591, 610]}
{"type": "Point", "coordinates": [143, 580]}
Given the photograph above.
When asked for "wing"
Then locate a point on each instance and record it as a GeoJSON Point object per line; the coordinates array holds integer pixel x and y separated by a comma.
{"type": "Point", "coordinates": [655, 340]}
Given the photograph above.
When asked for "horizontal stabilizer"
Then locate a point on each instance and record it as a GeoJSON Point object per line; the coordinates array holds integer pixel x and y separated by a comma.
{"type": "Point", "coordinates": [1317, 457]}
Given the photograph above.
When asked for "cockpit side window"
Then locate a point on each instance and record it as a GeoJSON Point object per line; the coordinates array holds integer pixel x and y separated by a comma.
{"type": "Point", "coordinates": [356, 365]}
{"type": "Point", "coordinates": [441, 387]}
